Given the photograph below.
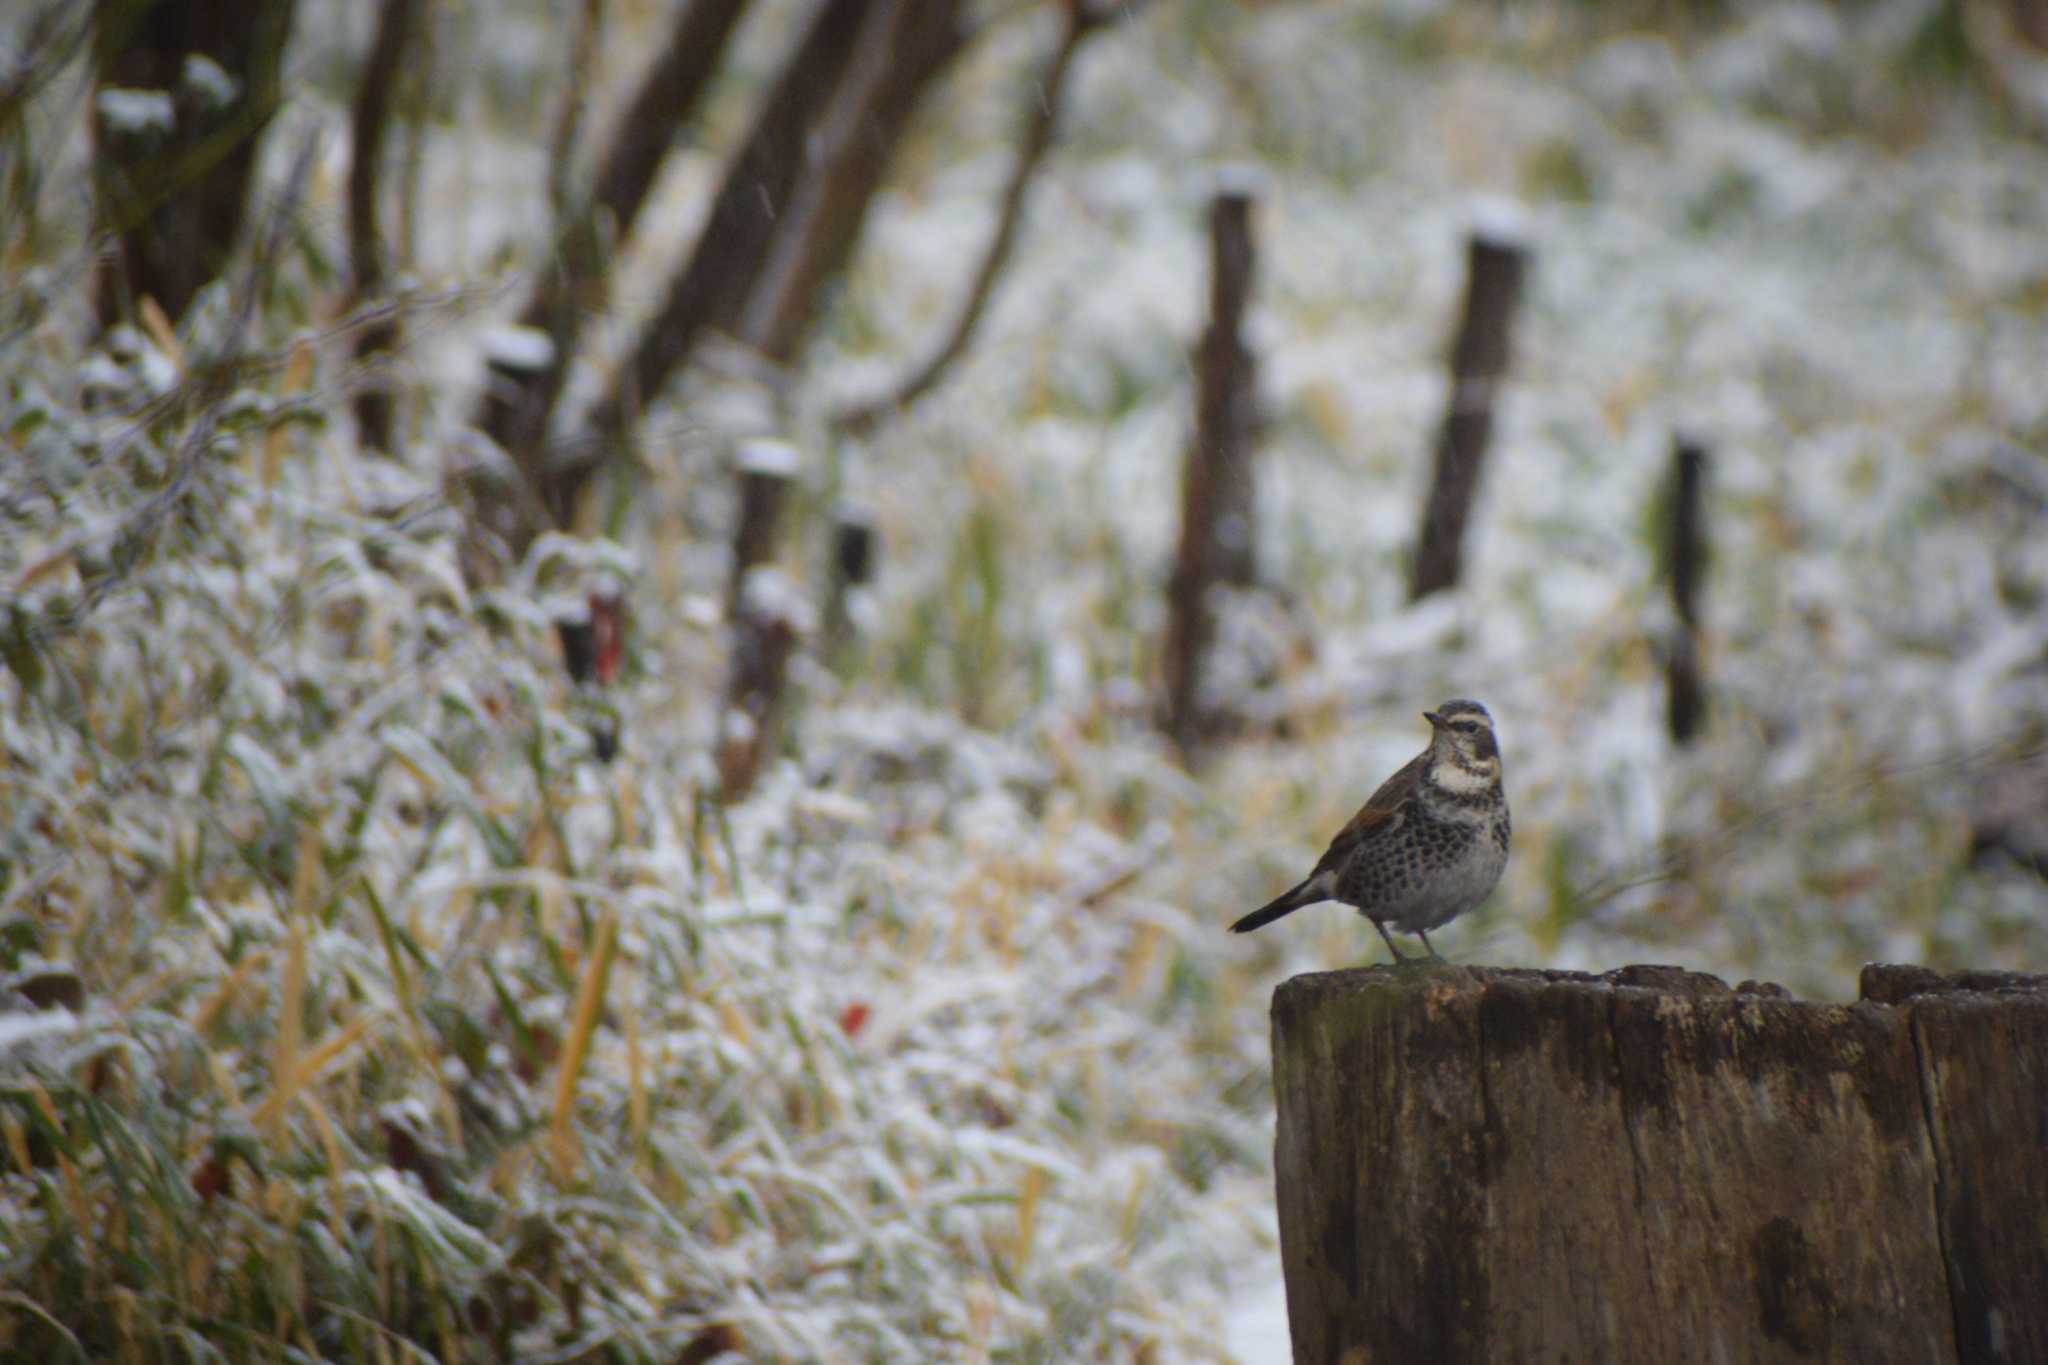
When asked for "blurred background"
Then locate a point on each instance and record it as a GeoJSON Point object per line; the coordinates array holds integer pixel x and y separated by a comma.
{"type": "Point", "coordinates": [647, 644]}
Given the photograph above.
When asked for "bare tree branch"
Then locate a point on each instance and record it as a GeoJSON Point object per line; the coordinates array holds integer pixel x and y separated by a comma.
{"type": "Point", "coordinates": [711, 288]}
{"type": "Point", "coordinates": [1036, 131]}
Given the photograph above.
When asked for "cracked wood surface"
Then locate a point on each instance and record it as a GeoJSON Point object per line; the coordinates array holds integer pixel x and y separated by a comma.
{"type": "Point", "coordinates": [1650, 1165]}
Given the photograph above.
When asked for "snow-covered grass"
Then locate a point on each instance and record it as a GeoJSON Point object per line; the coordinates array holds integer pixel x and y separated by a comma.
{"type": "Point", "coordinates": [403, 1024]}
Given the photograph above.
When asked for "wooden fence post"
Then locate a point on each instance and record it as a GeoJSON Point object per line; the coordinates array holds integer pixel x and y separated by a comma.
{"type": "Point", "coordinates": [1686, 548]}
{"type": "Point", "coordinates": [593, 638]}
{"type": "Point", "coordinates": [1481, 1165]}
{"type": "Point", "coordinates": [853, 568]}
{"type": "Point", "coordinates": [1217, 522]}
{"type": "Point", "coordinates": [1479, 358]}
{"type": "Point", "coordinates": [767, 471]}
{"type": "Point", "coordinates": [771, 619]}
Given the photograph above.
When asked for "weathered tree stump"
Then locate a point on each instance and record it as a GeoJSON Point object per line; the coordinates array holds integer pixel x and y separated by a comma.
{"type": "Point", "coordinates": [1648, 1165]}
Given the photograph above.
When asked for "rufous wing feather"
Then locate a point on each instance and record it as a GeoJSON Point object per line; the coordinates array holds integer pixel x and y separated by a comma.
{"type": "Point", "coordinates": [1379, 812]}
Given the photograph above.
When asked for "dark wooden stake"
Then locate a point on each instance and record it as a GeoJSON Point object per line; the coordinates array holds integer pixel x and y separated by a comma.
{"type": "Point", "coordinates": [853, 568]}
{"type": "Point", "coordinates": [1227, 405]}
{"type": "Point", "coordinates": [576, 628]}
{"type": "Point", "coordinates": [593, 637]}
{"type": "Point", "coordinates": [1687, 549]}
{"type": "Point", "coordinates": [770, 620]}
{"type": "Point", "coordinates": [1479, 358]}
{"type": "Point", "coordinates": [1216, 529]}
{"type": "Point", "coordinates": [767, 471]}
{"type": "Point", "coordinates": [1482, 1165]}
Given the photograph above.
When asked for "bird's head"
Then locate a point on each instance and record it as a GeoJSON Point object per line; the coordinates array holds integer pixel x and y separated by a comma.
{"type": "Point", "coordinates": [1463, 739]}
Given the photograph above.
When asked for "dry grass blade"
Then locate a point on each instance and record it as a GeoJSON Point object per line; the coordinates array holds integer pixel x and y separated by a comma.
{"type": "Point", "coordinates": [576, 1047]}
{"type": "Point", "coordinates": [285, 1052]}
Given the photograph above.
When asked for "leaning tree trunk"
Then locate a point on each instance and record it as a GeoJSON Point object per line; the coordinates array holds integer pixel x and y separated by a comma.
{"type": "Point", "coordinates": [1524, 1165]}
{"type": "Point", "coordinates": [183, 90]}
{"type": "Point", "coordinates": [376, 406]}
{"type": "Point", "coordinates": [1035, 138]}
{"type": "Point", "coordinates": [517, 404]}
{"type": "Point", "coordinates": [710, 291]}
{"type": "Point", "coordinates": [903, 48]}
{"type": "Point", "coordinates": [788, 212]}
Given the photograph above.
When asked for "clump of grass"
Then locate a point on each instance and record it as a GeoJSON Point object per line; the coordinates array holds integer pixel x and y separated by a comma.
{"type": "Point", "coordinates": [403, 1029]}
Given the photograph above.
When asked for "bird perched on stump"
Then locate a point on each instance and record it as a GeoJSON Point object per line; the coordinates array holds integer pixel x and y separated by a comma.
{"type": "Point", "coordinates": [1429, 844]}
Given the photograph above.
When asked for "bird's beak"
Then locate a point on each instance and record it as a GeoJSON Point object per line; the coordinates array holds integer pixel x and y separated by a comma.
{"type": "Point", "coordinates": [1436, 721]}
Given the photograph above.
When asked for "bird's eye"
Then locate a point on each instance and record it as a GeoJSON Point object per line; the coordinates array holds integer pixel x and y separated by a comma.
{"type": "Point", "coordinates": [1468, 726]}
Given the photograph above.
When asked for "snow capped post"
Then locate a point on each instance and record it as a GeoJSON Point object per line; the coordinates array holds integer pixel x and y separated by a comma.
{"type": "Point", "coordinates": [768, 617]}
{"type": "Point", "coordinates": [767, 471]}
{"type": "Point", "coordinates": [1480, 1165]}
{"type": "Point", "coordinates": [771, 619]}
{"type": "Point", "coordinates": [1685, 552]}
{"type": "Point", "coordinates": [1217, 521]}
{"type": "Point", "coordinates": [1497, 260]}
{"type": "Point", "coordinates": [592, 632]}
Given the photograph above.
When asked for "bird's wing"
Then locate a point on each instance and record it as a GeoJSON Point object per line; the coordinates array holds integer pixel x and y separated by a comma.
{"type": "Point", "coordinates": [1380, 811]}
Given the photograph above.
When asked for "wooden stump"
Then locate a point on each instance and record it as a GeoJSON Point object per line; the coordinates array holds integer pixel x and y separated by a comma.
{"type": "Point", "coordinates": [1647, 1165]}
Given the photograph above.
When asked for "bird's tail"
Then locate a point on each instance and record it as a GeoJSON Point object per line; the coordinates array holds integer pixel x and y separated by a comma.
{"type": "Point", "coordinates": [1287, 902]}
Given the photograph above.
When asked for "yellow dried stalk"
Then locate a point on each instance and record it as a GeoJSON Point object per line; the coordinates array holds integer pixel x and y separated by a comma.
{"type": "Point", "coordinates": [576, 1049]}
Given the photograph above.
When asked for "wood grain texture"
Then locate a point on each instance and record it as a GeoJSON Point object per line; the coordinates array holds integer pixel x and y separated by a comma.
{"type": "Point", "coordinates": [1650, 1165]}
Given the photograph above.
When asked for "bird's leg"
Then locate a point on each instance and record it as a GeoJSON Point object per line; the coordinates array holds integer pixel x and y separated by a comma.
{"type": "Point", "coordinates": [1390, 941]}
{"type": "Point", "coordinates": [1423, 934]}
